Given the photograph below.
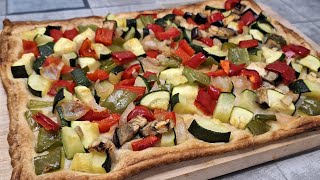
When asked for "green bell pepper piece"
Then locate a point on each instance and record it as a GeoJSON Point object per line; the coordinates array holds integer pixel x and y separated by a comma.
{"type": "Point", "coordinates": [47, 140]}
{"type": "Point", "coordinates": [196, 76]}
{"type": "Point", "coordinates": [82, 28]}
{"type": "Point", "coordinates": [118, 100]}
{"type": "Point", "coordinates": [35, 104]}
{"type": "Point", "coordinates": [63, 121]}
{"type": "Point", "coordinates": [239, 55]}
{"type": "Point", "coordinates": [34, 126]}
{"type": "Point", "coordinates": [49, 162]}
{"type": "Point", "coordinates": [310, 106]}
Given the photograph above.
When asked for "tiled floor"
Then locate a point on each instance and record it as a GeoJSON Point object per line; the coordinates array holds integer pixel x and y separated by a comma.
{"type": "Point", "coordinates": [304, 14]}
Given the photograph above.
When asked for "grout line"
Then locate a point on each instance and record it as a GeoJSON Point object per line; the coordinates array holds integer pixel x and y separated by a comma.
{"type": "Point", "coordinates": [86, 4]}
{"type": "Point", "coordinates": [280, 171]}
{"type": "Point", "coordinates": [48, 11]}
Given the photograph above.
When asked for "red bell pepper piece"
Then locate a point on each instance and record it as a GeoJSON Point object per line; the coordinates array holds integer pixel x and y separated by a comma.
{"type": "Point", "coordinates": [253, 76]}
{"type": "Point", "coordinates": [219, 72]}
{"type": "Point", "coordinates": [248, 18]}
{"type": "Point", "coordinates": [182, 54]}
{"type": "Point", "coordinates": [130, 71]}
{"type": "Point", "coordinates": [249, 43]}
{"type": "Point", "coordinates": [152, 53]}
{"type": "Point", "coordinates": [186, 47]}
{"type": "Point", "coordinates": [107, 123]}
{"type": "Point", "coordinates": [56, 34]}
{"type": "Point", "coordinates": [177, 12]}
{"type": "Point", "coordinates": [218, 16]}
{"type": "Point", "coordinates": [71, 33]}
{"type": "Point", "coordinates": [295, 50]}
{"type": "Point", "coordinates": [95, 116]}
{"type": "Point", "coordinates": [123, 57]}
{"type": "Point", "coordinates": [208, 41]}
{"type": "Point", "coordinates": [144, 143]}
{"type": "Point", "coordinates": [46, 122]}
{"type": "Point", "coordinates": [30, 47]}
{"type": "Point", "coordinates": [86, 50]}
{"type": "Point", "coordinates": [204, 26]}
{"type": "Point", "coordinates": [240, 26]}
{"type": "Point", "coordinates": [195, 61]}
{"type": "Point", "coordinates": [230, 4]}
{"type": "Point", "coordinates": [155, 28]}
{"type": "Point", "coordinates": [204, 102]}
{"type": "Point", "coordinates": [60, 84]}
{"type": "Point", "coordinates": [51, 60]}
{"type": "Point", "coordinates": [169, 34]}
{"type": "Point", "coordinates": [66, 69]}
{"type": "Point", "coordinates": [287, 73]}
{"type": "Point", "coordinates": [147, 74]}
{"type": "Point", "coordinates": [138, 90]}
{"type": "Point", "coordinates": [235, 69]}
{"type": "Point", "coordinates": [141, 111]}
{"type": "Point", "coordinates": [104, 36]}
{"type": "Point", "coordinates": [225, 64]}
{"type": "Point", "coordinates": [98, 74]}
{"type": "Point", "coordinates": [129, 82]}
{"type": "Point", "coordinates": [153, 15]}
{"type": "Point", "coordinates": [214, 92]}
{"type": "Point", "coordinates": [162, 115]}
{"type": "Point", "coordinates": [191, 21]}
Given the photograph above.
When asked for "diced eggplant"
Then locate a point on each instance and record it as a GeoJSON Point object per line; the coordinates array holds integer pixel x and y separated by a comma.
{"type": "Point", "coordinates": [200, 18]}
{"type": "Point", "coordinates": [131, 23]}
{"type": "Point", "coordinates": [218, 24]}
{"type": "Point", "coordinates": [156, 127]}
{"type": "Point", "coordinates": [46, 49]}
{"type": "Point", "coordinates": [275, 41]}
{"type": "Point", "coordinates": [195, 33]}
{"type": "Point", "coordinates": [161, 22]}
{"type": "Point", "coordinates": [187, 15]}
{"type": "Point", "coordinates": [169, 17]}
{"type": "Point", "coordinates": [146, 32]}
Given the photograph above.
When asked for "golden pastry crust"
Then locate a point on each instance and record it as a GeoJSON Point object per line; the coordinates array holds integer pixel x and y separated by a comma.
{"type": "Point", "coordinates": [21, 138]}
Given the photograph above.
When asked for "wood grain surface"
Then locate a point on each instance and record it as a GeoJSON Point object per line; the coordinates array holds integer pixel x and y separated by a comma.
{"type": "Point", "coordinates": [202, 168]}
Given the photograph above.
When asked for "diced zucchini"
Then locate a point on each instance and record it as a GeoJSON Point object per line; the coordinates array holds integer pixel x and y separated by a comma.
{"type": "Point", "coordinates": [156, 100]}
{"type": "Point", "coordinates": [80, 78]}
{"type": "Point", "coordinates": [195, 76]}
{"type": "Point", "coordinates": [187, 35]}
{"type": "Point", "coordinates": [38, 86]}
{"type": "Point", "coordinates": [240, 117]}
{"type": "Point", "coordinates": [247, 100]}
{"type": "Point", "coordinates": [186, 95]}
{"type": "Point", "coordinates": [104, 89]}
{"type": "Point", "coordinates": [89, 62]}
{"type": "Point", "coordinates": [234, 26]}
{"type": "Point", "coordinates": [256, 34]}
{"type": "Point", "coordinates": [311, 62]}
{"type": "Point", "coordinates": [64, 45]}
{"type": "Point", "coordinates": [299, 86]}
{"type": "Point", "coordinates": [85, 95]}
{"type": "Point", "coordinates": [30, 35]}
{"type": "Point", "coordinates": [224, 107]}
{"type": "Point", "coordinates": [173, 76]}
{"type": "Point", "coordinates": [71, 142]}
{"type": "Point", "coordinates": [209, 131]}
{"type": "Point", "coordinates": [90, 131]}
{"type": "Point", "coordinates": [264, 27]}
{"type": "Point", "coordinates": [42, 39]}
{"type": "Point", "coordinates": [37, 65]}
{"type": "Point", "coordinates": [134, 46]}
{"type": "Point", "coordinates": [46, 49]}
{"type": "Point", "coordinates": [237, 39]}
{"type": "Point", "coordinates": [275, 103]}
{"type": "Point", "coordinates": [216, 52]}
{"type": "Point", "coordinates": [61, 96]}
{"type": "Point", "coordinates": [89, 162]}
{"type": "Point", "coordinates": [168, 139]}
{"type": "Point", "coordinates": [70, 59]}
{"type": "Point", "coordinates": [24, 66]}
{"type": "Point", "coordinates": [314, 87]}
{"type": "Point", "coordinates": [143, 82]}
{"type": "Point", "coordinates": [271, 55]}
{"type": "Point", "coordinates": [297, 67]}
{"type": "Point", "coordinates": [103, 53]}
{"type": "Point", "coordinates": [89, 33]}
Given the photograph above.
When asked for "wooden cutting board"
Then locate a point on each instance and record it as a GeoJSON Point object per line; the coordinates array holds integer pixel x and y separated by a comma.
{"type": "Point", "coordinates": [202, 168]}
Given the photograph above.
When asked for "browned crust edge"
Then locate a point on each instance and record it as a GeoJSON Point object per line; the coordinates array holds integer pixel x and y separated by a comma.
{"type": "Point", "coordinates": [17, 137]}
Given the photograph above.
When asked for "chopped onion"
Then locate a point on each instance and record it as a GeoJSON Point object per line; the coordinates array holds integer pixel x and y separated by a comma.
{"type": "Point", "coordinates": [124, 115]}
{"type": "Point", "coordinates": [180, 130]}
{"type": "Point", "coordinates": [52, 71]}
{"type": "Point", "coordinates": [240, 83]}
{"type": "Point", "coordinates": [74, 109]}
{"type": "Point", "coordinates": [223, 83]}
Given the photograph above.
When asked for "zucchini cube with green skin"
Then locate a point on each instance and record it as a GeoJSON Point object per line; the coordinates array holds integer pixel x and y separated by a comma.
{"type": "Point", "coordinates": [63, 46]}
{"type": "Point", "coordinates": [156, 100]}
{"type": "Point", "coordinates": [85, 95]}
{"type": "Point", "coordinates": [173, 76]}
{"type": "Point", "coordinates": [38, 85]}
{"type": "Point", "coordinates": [186, 95]}
{"type": "Point", "coordinates": [89, 62]}
{"type": "Point", "coordinates": [90, 131]}
{"type": "Point", "coordinates": [134, 46]}
{"type": "Point", "coordinates": [103, 53]}
{"type": "Point", "coordinates": [272, 55]}
{"type": "Point", "coordinates": [311, 62]}
{"type": "Point", "coordinates": [275, 103]}
{"type": "Point", "coordinates": [168, 139]}
{"type": "Point", "coordinates": [23, 67]}
{"type": "Point", "coordinates": [240, 117]}
{"type": "Point", "coordinates": [224, 107]}
{"type": "Point", "coordinates": [88, 33]}
{"type": "Point", "coordinates": [30, 35]}
{"type": "Point", "coordinates": [42, 39]}
{"type": "Point", "coordinates": [247, 100]}
{"type": "Point", "coordinates": [314, 87]}
{"type": "Point", "coordinates": [70, 59]}
{"type": "Point", "coordinates": [89, 162]}
{"type": "Point", "coordinates": [71, 142]}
